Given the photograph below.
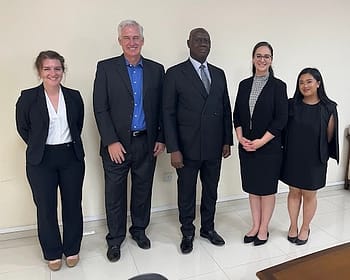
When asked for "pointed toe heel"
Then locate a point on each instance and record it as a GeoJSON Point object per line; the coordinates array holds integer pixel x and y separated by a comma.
{"type": "Point", "coordinates": [301, 241]}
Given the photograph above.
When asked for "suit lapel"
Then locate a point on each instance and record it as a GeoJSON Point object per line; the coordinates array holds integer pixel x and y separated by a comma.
{"type": "Point", "coordinates": [194, 78]}
{"type": "Point", "coordinates": [146, 77]}
{"type": "Point", "coordinates": [266, 89]}
{"type": "Point", "coordinates": [248, 89]}
{"type": "Point", "coordinates": [69, 106]}
{"type": "Point", "coordinates": [214, 78]}
{"type": "Point", "coordinates": [122, 70]}
{"type": "Point", "coordinates": [265, 92]}
{"type": "Point", "coordinates": [42, 106]}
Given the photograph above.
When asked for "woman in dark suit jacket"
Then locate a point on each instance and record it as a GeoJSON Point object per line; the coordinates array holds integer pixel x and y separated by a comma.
{"type": "Point", "coordinates": [260, 114]}
{"type": "Point", "coordinates": [49, 119]}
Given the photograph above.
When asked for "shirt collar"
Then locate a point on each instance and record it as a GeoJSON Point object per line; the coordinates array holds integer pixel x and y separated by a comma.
{"type": "Point", "coordinates": [196, 63]}
{"type": "Point", "coordinates": [140, 63]}
{"type": "Point", "coordinates": [262, 78]}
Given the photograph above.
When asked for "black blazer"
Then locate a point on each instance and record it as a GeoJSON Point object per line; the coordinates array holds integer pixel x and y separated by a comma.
{"type": "Point", "coordinates": [327, 109]}
{"type": "Point", "coordinates": [32, 120]}
{"type": "Point", "coordinates": [196, 123]}
{"type": "Point", "coordinates": [270, 112]}
{"type": "Point", "coordinates": [114, 103]}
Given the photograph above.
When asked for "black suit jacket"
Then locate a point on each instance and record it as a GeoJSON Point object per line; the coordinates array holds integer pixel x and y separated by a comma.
{"type": "Point", "coordinates": [327, 109]}
{"type": "Point", "coordinates": [196, 123]}
{"type": "Point", "coordinates": [32, 120]}
{"type": "Point", "coordinates": [270, 112]}
{"type": "Point", "coordinates": [114, 103]}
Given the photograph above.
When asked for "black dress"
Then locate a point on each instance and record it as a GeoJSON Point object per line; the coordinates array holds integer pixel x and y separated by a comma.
{"type": "Point", "coordinates": [260, 170]}
{"type": "Point", "coordinates": [302, 167]}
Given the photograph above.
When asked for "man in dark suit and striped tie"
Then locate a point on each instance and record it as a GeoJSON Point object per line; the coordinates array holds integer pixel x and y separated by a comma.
{"type": "Point", "coordinates": [198, 133]}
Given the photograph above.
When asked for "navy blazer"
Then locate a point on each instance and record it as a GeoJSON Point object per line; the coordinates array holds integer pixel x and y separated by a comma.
{"type": "Point", "coordinates": [196, 123]}
{"type": "Point", "coordinates": [113, 102]}
{"type": "Point", "coordinates": [270, 112]}
{"type": "Point", "coordinates": [32, 120]}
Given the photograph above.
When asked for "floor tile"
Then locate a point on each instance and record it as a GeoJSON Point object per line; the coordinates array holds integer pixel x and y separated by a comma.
{"type": "Point", "coordinates": [98, 268]}
{"type": "Point", "coordinates": [165, 258]}
{"type": "Point", "coordinates": [218, 275]}
{"type": "Point", "coordinates": [21, 257]}
{"type": "Point", "coordinates": [248, 271]}
{"type": "Point", "coordinates": [35, 273]}
{"type": "Point", "coordinates": [235, 252]}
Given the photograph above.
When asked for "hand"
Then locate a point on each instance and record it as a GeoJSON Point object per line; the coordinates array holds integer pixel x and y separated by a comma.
{"type": "Point", "coordinates": [226, 151]}
{"type": "Point", "coordinates": [257, 143]}
{"type": "Point", "coordinates": [116, 152]}
{"type": "Point", "coordinates": [246, 144]}
{"type": "Point", "coordinates": [176, 159]}
{"type": "Point", "coordinates": [158, 149]}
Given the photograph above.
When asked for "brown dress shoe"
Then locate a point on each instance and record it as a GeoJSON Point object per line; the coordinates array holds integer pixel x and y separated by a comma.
{"type": "Point", "coordinates": [55, 264]}
{"type": "Point", "coordinates": [72, 261]}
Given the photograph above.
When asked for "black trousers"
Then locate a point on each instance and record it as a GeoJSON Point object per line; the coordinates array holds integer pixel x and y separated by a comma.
{"type": "Point", "coordinates": [209, 173]}
{"type": "Point", "coordinates": [142, 165]}
{"type": "Point", "coordinates": [59, 168]}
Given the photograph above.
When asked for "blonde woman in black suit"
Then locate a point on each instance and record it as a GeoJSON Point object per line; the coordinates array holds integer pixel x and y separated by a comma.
{"type": "Point", "coordinates": [260, 114]}
{"type": "Point", "coordinates": [49, 119]}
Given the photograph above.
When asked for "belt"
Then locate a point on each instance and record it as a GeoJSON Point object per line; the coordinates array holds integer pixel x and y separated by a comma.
{"type": "Point", "coordinates": [138, 133]}
{"type": "Point", "coordinates": [59, 146]}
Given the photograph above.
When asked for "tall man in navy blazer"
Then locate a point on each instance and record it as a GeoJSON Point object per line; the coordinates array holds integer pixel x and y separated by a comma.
{"type": "Point", "coordinates": [198, 133]}
{"type": "Point", "coordinates": [127, 106]}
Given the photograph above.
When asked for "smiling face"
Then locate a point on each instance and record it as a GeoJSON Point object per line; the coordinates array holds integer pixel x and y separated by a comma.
{"type": "Point", "coordinates": [131, 42]}
{"type": "Point", "coordinates": [262, 60]}
{"type": "Point", "coordinates": [308, 86]}
{"type": "Point", "coordinates": [199, 44]}
{"type": "Point", "coordinates": [51, 72]}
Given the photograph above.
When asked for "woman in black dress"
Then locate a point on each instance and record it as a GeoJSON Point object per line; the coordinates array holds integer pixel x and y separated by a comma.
{"type": "Point", "coordinates": [311, 138]}
{"type": "Point", "coordinates": [260, 114]}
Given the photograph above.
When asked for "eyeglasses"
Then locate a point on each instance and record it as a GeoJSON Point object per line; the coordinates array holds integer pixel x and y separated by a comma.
{"type": "Point", "coordinates": [265, 56]}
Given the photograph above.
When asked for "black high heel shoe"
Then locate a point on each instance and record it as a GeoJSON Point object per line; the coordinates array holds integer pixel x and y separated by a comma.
{"type": "Point", "coordinates": [292, 239]}
{"type": "Point", "coordinates": [258, 242]}
{"type": "Point", "coordinates": [302, 242]}
{"type": "Point", "coordinates": [249, 239]}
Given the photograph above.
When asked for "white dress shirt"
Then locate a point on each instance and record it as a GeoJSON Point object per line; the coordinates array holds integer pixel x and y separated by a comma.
{"type": "Point", "coordinates": [58, 128]}
{"type": "Point", "coordinates": [196, 64]}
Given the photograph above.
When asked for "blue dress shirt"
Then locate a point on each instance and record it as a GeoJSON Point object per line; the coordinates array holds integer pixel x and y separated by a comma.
{"type": "Point", "coordinates": [136, 79]}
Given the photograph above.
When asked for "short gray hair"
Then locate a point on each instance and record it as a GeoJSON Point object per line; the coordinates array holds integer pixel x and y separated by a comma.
{"type": "Point", "coordinates": [129, 22]}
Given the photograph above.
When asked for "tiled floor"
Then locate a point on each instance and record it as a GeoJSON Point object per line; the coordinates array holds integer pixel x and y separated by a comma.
{"type": "Point", "coordinates": [20, 258]}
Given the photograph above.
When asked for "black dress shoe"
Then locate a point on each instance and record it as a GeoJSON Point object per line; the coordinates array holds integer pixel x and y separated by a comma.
{"type": "Point", "coordinates": [113, 253]}
{"type": "Point", "coordinates": [249, 239]}
{"type": "Point", "coordinates": [142, 240]}
{"type": "Point", "coordinates": [213, 237]}
{"type": "Point", "coordinates": [302, 242]}
{"type": "Point", "coordinates": [258, 242]}
{"type": "Point", "coordinates": [186, 245]}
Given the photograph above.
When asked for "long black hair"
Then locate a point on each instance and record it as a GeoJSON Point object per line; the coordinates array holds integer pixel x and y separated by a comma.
{"type": "Point", "coordinates": [315, 73]}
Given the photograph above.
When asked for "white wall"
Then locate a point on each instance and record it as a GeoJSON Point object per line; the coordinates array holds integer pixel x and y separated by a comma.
{"type": "Point", "coordinates": [303, 33]}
